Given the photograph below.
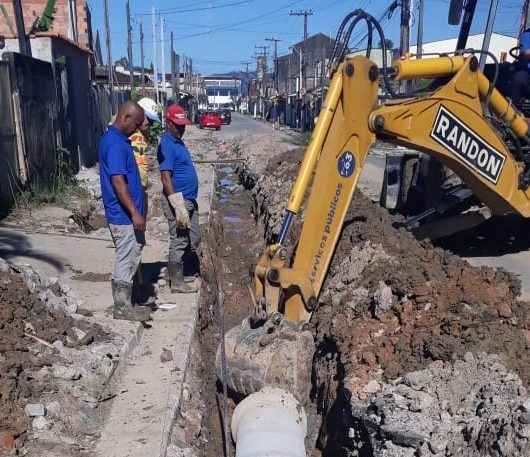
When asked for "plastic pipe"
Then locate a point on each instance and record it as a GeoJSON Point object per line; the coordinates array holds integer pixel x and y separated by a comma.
{"type": "Point", "coordinates": [269, 423]}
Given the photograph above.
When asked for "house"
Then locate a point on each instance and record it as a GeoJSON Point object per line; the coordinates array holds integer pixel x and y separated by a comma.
{"type": "Point", "coordinates": [315, 52]}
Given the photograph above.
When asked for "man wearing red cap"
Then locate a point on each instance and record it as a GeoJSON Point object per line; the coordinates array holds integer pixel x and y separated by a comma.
{"type": "Point", "coordinates": [180, 188]}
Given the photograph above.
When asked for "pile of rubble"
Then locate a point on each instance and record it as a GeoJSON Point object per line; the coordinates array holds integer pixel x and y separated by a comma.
{"type": "Point", "coordinates": [54, 363]}
{"type": "Point", "coordinates": [393, 310]}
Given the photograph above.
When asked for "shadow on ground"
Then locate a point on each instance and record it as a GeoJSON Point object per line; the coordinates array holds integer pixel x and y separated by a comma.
{"type": "Point", "coordinates": [16, 244]}
{"type": "Point", "coordinates": [499, 235]}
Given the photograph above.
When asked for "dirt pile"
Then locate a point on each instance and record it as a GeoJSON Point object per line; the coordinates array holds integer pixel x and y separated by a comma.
{"type": "Point", "coordinates": [392, 306]}
{"type": "Point", "coordinates": [22, 314]}
{"type": "Point", "coordinates": [54, 364]}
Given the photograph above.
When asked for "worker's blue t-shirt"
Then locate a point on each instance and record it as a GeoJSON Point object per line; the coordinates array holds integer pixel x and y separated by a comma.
{"type": "Point", "coordinates": [116, 157]}
{"type": "Point", "coordinates": [173, 156]}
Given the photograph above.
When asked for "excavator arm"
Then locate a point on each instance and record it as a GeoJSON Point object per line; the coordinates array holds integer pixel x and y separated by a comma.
{"type": "Point", "coordinates": [450, 124]}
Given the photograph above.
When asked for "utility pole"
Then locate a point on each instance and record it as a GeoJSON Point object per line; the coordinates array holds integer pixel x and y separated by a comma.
{"type": "Point", "coordinates": [23, 40]}
{"type": "Point", "coordinates": [487, 34]}
{"type": "Point", "coordinates": [404, 42]}
{"type": "Point", "coordinates": [305, 14]}
{"type": "Point", "coordinates": [142, 57]}
{"type": "Point", "coordinates": [155, 68]}
{"type": "Point", "coordinates": [247, 73]}
{"type": "Point", "coordinates": [525, 16]}
{"type": "Point", "coordinates": [129, 43]}
{"type": "Point", "coordinates": [275, 41]}
{"type": "Point", "coordinates": [163, 55]}
{"type": "Point", "coordinates": [419, 41]}
{"type": "Point", "coordinates": [177, 71]}
{"type": "Point", "coordinates": [109, 55]}
{"type": "Point", "coordinates": [172, 66]}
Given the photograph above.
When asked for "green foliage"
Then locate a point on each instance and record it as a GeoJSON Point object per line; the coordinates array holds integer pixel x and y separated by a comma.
{"type": "Point", "coordinates": [135, 94]}
{"type": "Point", "coordinates": [46, 20]}
{"type": "Point", "coordinates": [155, 132]}
{"type": "Point", "coordinates": [63, 188]}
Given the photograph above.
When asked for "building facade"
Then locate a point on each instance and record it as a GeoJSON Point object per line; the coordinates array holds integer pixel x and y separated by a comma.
{"type": "Point", "coordinates": [222, 91]}
{"type": "Point", "coordinates": [69, 19]}
{"type": "Point", "coordinates": [305, 67]}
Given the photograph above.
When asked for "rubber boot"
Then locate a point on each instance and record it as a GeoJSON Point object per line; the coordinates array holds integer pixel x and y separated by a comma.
{"type": "Point", "coordinates": [176, 280]}
{"type": "Point", "coordinates": [123, 308]}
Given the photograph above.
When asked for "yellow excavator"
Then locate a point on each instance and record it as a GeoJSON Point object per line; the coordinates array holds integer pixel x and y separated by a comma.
{"type": "Point", "coordinates": [465, 123]}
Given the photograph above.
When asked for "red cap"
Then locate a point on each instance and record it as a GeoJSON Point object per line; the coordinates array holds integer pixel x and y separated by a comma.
{"type": "Point", "coordinates": [176, 114]}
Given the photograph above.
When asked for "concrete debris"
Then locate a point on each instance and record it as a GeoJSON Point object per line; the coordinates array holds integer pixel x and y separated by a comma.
{"type": "Point", "coordinates": [41, 423]}
{"type": "Point", "coordinates": [56, 295]}
{"type": "Point", "coordinates": [66, 373]}
{"type": "Point", "coordinates": [88, 178]}
{"type": "Point", "coordinates": [35, 410]}
{"type": "Point", "coordinates": [469, 408]}
{"type": "Point", "coordinates": [383, 299]}
{"type": "Point", "coordinates": [175, 451]}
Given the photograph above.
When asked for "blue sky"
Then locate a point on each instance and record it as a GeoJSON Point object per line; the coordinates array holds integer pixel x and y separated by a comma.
{"type": "Point", "coordinates": [220, 34]}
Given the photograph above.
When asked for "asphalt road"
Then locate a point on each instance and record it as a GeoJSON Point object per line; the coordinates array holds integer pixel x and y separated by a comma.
{"type": "Point", "coordinates": [244, 125]}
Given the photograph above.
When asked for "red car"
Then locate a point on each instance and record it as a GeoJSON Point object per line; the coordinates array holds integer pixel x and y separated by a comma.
{"type": "Point", "coordinates": [210, 119]}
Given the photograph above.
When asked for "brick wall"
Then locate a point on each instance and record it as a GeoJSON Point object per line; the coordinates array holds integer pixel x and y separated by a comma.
{"type": "Point", "coordinates": [61, 24]}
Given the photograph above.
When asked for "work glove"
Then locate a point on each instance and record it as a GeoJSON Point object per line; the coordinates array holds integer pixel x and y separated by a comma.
{"type": "Point", "coordinates": [182, 216]}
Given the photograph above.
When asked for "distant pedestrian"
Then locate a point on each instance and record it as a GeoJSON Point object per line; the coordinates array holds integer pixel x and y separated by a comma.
{"type": "Point", "coordinates": [123, 199]}
{"type": "Point", "coordinates": [180, 188]}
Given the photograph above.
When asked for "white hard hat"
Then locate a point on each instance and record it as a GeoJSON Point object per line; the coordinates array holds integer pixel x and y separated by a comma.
{"type": "Point", "coordinates": [150, 108]}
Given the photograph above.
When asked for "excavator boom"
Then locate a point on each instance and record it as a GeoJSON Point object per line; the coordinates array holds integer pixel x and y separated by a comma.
{"type": "Point", "coordinates": [449, 124]}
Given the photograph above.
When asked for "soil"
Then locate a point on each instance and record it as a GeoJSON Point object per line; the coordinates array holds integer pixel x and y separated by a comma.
{"type": "Point", "coordinates": [442, 307]}
{"type": "Point", "coordinates": [20, 312]}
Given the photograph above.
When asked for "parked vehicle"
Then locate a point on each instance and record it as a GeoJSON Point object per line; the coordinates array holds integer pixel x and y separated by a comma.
{"type": "Point", "coordinates": [226, 116]}
{"type": "Point", "coordinates": [210, 119]}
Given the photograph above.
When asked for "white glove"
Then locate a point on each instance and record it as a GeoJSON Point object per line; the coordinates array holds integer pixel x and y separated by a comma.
{"type": "Point", "coordinates": [182, 216]}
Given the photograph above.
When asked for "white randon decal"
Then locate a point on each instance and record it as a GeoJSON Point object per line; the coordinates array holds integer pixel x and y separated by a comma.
{"type": "Point", "coordinates": [455, 136]}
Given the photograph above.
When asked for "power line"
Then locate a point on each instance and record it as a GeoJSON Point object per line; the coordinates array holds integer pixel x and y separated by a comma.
{"type": "Point", "coordinates": [203, 8]}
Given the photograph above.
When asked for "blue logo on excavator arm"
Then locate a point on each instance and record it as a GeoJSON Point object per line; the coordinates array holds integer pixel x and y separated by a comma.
{"type": "Point", "coordinates": [346, 164]}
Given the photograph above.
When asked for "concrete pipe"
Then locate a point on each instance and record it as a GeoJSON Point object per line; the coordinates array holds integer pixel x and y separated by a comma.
{"type": "Point", "coordinates": [269, 423]}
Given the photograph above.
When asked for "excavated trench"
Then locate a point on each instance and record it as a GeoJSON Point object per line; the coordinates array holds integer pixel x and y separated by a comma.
{"type": "Point", "coordinates": [417, 352]}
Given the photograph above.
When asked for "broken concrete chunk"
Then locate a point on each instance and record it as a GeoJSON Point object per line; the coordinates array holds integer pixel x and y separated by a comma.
{"type": "Point", "coordinates": [41, 423]}
{"type": "Point", "coordinates": [35, 410]}
{"type": "Point", "coordinates": [66, 373]}
{"type": "Point", "coordinates": [383, 299]}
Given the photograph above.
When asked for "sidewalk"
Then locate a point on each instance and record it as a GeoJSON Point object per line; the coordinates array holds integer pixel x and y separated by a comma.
{"type": "Point", "coordinates": [153, 361]}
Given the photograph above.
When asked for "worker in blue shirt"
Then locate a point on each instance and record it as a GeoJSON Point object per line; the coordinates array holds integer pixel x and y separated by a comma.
{"type": "Point", "coordinates": [123, 199]}
{"type": "Point", "coordinates": [180, 188]}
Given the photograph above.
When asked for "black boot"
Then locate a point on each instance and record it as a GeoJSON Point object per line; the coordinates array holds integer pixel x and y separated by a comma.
{"type": "Point", "coordinates": [176, 280]}
{"type": "Point", "coordinates": [123, 308]}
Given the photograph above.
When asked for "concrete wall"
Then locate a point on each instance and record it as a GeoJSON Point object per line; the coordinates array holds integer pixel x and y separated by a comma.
{"type": "Point", "coordinates": [41, 47]}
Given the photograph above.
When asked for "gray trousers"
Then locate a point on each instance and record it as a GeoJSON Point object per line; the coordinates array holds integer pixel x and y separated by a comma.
{"type": "Point", "coordinates": [184, 243]}
{"type": "Point", "coordinates": [128, 244]}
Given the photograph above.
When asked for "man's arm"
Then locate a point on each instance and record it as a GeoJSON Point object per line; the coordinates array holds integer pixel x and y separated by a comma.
{"type": "Point", "coordinates": [122, 192]}
{"type": "Point", "coordinates": [167, 183]}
